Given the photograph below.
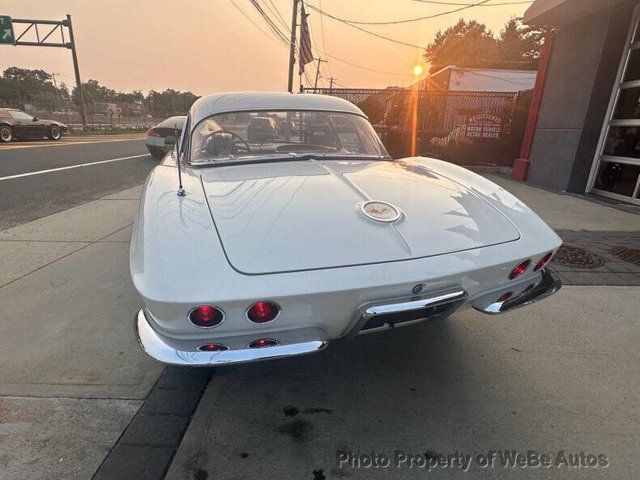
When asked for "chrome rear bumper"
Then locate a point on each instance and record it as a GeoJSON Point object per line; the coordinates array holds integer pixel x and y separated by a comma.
{"type": "Point", "coordinates": [545, 286]}
{"type": "Point", "coordinates": [389, 314]}
{"type": "Point", "coordinates": [153, 344]}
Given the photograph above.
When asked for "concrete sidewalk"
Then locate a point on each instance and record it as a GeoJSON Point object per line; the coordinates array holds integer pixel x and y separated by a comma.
{"type": "Point", "coordinates": [570, 212]}
{"type": "Point", "coordinates": [72, 375]}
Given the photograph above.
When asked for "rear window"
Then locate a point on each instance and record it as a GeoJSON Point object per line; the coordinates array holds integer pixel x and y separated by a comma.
{"type": "Point", "coordinates": [173, 122]}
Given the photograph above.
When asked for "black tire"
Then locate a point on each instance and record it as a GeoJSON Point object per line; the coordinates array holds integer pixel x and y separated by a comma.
{"type": "Point", "coordinates": [157, 153]}
{"type": "Point", "coordinates": [55, 133]}
{"type": "Point", "coordinates": [6, 133]}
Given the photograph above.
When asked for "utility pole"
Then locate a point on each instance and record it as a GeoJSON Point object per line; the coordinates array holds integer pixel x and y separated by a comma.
{"type": "Point", "coordinates": [292, 47]}
{"type": "Point", "coordinates": [76, 70]}
{"type": "Point", "coordinates": [331, 85]}
{"type": "Point", "coordinates": [315, 84]}
{"type": "Point", "coordinates": [55, 85]}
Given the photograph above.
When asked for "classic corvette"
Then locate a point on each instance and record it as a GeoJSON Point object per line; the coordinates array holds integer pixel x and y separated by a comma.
{"type": "Point", "coordinates": [253, 249]}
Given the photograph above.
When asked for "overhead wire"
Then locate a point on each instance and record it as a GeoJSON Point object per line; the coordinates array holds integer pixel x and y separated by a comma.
{"type": "Point", "coordinates": [277, 40]}
{"type": "Point", "coordinates": [369, 32]}
{"type": "Point", "coordinates": [324, 44]}
{"type": "Point", "coordinates": [353, 23]}
{"type": "Point", "coordinates": [270, 23]}
{"type": "Point", "coordinates": [281, 39]}
{"type": "Point", "coordinates": [453, 4]}
{"type": "Point", "coordinates": [274, 9]}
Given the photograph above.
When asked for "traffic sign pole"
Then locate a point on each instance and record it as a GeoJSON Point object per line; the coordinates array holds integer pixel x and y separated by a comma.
{"type": "Point", "coordinates": [38, 39]}
{"type": "Point", "coordinates": [76, 70]}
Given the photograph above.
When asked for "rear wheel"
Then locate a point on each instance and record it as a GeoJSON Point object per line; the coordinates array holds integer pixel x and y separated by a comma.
{"type": "Point", "coordinates": [55, 133]}
{"type": "Point", "coordinates": [6, 134]}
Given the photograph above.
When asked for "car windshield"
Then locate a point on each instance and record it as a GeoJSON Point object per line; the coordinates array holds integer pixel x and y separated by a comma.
{"type": "Point", "coordinates": [255, 136]}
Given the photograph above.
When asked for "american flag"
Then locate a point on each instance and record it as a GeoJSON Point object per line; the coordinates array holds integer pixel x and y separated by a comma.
{"type": "Point", "coordinates": [306, 55]}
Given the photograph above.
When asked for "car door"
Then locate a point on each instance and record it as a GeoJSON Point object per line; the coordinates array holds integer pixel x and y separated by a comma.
{"type": "Point", "coordinates": [40, 128]}
{"type": "Point", "coordinates": [24, 125]}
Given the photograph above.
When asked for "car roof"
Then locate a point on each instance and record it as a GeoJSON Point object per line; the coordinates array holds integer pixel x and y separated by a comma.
{"type": "Point", "coordinates": [252, 101]}
{"type": "Point", "coordinates": [180, 119]}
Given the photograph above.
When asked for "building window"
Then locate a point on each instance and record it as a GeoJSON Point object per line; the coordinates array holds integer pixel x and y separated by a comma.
{"type": "Point", "coordinates": [616, 171]}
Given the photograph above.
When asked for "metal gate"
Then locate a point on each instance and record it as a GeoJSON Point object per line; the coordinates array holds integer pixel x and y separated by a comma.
{"type": "Point", "coordinates": [467, 128]}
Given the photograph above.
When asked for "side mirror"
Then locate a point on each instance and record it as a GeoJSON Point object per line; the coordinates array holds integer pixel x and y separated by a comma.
{"type": "Point", "coordinates": [35, 119]}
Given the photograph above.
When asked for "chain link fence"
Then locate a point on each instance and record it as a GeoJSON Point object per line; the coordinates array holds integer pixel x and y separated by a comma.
{"type": "Point", "coordinates": [467, 128]}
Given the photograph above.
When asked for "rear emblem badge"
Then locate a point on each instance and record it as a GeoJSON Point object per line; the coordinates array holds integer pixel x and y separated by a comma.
{"type": "Point", "coordinates": [381, 211]}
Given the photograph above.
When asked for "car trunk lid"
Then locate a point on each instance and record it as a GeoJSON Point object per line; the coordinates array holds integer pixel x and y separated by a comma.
{"type": "Point", "coordinates": [307, 214]}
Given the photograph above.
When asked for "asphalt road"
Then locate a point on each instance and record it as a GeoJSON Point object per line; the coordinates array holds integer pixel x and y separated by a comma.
{"type": "Point", "coordinates": [29, 191]}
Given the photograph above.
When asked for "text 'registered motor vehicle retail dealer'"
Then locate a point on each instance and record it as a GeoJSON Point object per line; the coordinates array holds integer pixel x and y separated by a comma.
{"type": "Point", "coordinates": [297, 228]}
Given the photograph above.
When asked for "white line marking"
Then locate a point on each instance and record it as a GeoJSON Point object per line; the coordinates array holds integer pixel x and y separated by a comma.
{"type": "Point", "coordinates": [69, 167]}
{"type": "Point", "coordinates": [66, 143]}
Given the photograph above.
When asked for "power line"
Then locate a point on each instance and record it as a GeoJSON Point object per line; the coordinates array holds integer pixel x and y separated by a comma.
{"type": "Point", "coordinates": [270, 23]}
{"type": "Point", "coordinates": [255, 24]}
{"type": "Point", "coordinates": [471, 4]}
{"type": "Point", "coordinates": [360, 66]}
{"type": "Point", "coordinates": [353, 23]}
{"type": "Point", "coordinates": [279, 17]}
{"type": "Point", "coordinates": [277, 39]}
{"type": "Point", "coordinates": [346, 22]}
{"type": "Point", "coordinates": [324, 45]}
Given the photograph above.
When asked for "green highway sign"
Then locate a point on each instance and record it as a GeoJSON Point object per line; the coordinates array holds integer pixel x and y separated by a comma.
{"type": "Point", "coordinates": [6, 31]}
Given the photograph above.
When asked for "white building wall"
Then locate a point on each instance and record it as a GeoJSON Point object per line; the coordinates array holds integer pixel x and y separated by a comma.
{"type": "Point", "coordinates": [490, 80]}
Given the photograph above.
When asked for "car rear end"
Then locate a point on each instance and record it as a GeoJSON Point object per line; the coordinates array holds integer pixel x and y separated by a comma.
{"type": "Point", "coordinates": [161, 139]}
{"type": "Point", "coordinates": [286, 314]}
{"type": "Point", "coordinates": [202, 308]}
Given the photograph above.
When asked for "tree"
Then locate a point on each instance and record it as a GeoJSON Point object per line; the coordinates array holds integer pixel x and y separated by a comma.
{"type": "Point", "coordinates": [94, 92]}
{"type": "Point", "coordinates": [472, 45]}
{"type": "Point", "coordinates": [519, 46]}
{"type": "Point", "coordinates": [170, 102]}
{"type": "Point", "coordinates": [19, 86]}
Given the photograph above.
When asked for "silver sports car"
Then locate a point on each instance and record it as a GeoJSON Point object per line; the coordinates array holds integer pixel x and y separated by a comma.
{"type": "Point", "coordinates": [271, 245]}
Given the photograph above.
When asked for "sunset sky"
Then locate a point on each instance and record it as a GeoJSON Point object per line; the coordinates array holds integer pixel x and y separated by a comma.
{"type": "Point", "coordinates": [208, 45]}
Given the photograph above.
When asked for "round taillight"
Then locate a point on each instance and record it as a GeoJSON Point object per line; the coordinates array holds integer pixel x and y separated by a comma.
{"type": "Point", "coordinates": [519, 269]}
{"type": "Point", "coordinates": [543, 261]}
{"type": "Point", "coordinates": [206, 316]}
{"type": "Point", "coordinates": [212, 347]}
{"type": "Point", "coordinates": [504, 297]}
{"type": "Point", "coordinates": [263, 312]}
{"type": "Point", "coordinates": [263, 342]}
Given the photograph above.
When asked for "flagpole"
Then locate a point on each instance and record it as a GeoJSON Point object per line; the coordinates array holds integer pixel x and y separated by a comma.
{"type": "Point", "coordinates": [306, 50]}
{"type": "Point", "coordinates": [292, 47]}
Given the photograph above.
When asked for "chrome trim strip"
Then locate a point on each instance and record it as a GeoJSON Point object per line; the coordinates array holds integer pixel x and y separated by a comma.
{"type": "Point", "coordinates": [415, 304]}
{"type": "Point", "coordinates": [548, 284]}
{"type": "Point", "coordinates": [155, 347]}
{"type": "Point", "coordinates": [366, 312]}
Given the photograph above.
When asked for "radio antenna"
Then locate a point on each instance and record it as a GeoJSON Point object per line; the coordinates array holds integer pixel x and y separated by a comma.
{"type": "Point", "coordinates": [181, 192]}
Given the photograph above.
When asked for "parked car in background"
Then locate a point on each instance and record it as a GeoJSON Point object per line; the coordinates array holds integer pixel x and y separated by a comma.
{"type": "Point", "coordinates": [162, 138]}
{"type": "Point", "coordinates": [277, 248]}
{"type": "Point", "coordinates": [16, 124]}
{"type": "Point", "coordinates": [261, 129]}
